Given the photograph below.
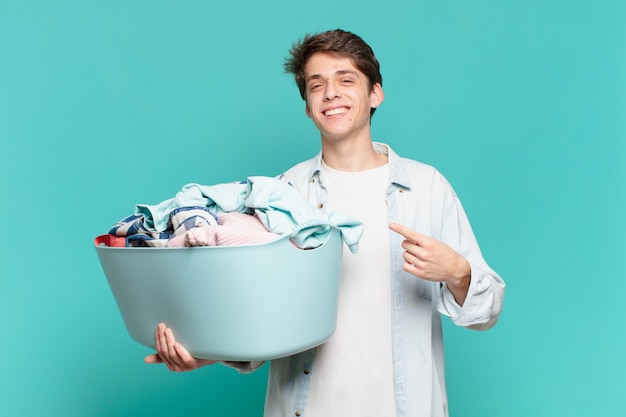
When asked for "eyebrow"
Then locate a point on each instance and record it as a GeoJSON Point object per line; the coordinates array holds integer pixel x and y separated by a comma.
{"type": "Point", "coordinates": [339, 72]}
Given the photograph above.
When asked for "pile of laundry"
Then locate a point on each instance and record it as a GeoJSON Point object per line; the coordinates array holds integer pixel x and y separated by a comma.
{"type": "Point", "coordinates": [255, 211]}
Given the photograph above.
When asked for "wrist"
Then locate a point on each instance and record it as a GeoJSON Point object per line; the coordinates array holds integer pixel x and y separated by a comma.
{"type": "Point", "coordinates": [460, 280]}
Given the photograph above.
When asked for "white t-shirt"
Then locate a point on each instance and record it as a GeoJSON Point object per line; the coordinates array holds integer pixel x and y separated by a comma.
{"type": "Point", "coordinates": [353, 371]}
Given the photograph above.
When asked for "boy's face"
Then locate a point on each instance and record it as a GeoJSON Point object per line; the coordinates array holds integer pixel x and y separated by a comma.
{"type": "Point", "coordinates": [338, 97]}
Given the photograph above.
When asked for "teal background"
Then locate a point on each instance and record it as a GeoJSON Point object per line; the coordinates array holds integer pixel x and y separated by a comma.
{"type": "Point", "coordinates": [521, 104]}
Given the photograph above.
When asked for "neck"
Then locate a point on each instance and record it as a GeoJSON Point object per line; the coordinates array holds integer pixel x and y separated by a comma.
{"type": "Point", "coordinates": [352, 155]}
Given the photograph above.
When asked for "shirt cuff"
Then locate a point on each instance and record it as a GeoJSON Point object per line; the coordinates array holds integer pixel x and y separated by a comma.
{"type": "Point", "coordinates": [477, 306]}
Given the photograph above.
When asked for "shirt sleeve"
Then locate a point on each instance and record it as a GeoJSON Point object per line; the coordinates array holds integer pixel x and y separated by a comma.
{"type": "Point", "coordinates": [244, 367]}
{"type": "Point", "coordinates": [483, 304]}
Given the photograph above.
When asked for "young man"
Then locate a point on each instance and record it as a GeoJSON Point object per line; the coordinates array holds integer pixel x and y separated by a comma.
{"type": "Point", "coordinates": [417, 257]}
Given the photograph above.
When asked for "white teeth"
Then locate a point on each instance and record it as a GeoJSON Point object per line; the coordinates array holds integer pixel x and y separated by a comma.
{"type": "Point", "coordinates": [333, 112]}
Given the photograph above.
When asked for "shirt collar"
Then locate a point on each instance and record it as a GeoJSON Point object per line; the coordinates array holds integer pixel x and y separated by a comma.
{"type": "Point", "coordinates": [398, 173]}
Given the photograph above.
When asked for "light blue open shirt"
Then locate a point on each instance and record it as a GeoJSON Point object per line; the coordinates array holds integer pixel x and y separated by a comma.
{"type": "Point", "coordinates": [418, 197]}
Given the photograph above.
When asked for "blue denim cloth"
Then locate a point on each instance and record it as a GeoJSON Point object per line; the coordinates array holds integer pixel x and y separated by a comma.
{"type": "Point", "coordinates": [418, 197]}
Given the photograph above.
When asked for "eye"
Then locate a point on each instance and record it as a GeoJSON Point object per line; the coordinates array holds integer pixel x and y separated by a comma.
{"type": "Point", "coordinates": [314, 87]}
{"type": "Point", "coordinates": [347, 81]}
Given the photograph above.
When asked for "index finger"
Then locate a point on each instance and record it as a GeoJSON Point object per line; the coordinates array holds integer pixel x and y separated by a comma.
{"type": "Point", "coordinates": [408, 233]}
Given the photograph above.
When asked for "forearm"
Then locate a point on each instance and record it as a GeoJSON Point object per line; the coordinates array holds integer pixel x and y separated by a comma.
{"type": "Point", "coordinates": [459, 282]}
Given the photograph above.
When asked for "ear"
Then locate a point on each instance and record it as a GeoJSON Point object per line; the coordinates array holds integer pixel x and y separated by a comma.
{"type": "Point", "coordinates": [377, 96]}
{"type": "Point", "coordinates": [307, 110]}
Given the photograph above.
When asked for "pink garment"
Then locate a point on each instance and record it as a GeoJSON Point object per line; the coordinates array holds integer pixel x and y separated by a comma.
{"type": "Point", "coordinates": [233, 229]}
{"type": "Point", "coordinates": [110, 240]}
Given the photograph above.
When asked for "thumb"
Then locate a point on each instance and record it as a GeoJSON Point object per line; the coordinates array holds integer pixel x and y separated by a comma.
{"type": "Point", "coordinates": [154, 358]}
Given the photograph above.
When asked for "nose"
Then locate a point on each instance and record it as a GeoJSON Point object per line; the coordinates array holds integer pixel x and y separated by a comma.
{"type": "Point", "coordinates": [331, 92]}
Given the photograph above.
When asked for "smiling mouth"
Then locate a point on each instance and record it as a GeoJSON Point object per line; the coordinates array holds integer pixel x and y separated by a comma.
{"type": "Point", "coordinates": [334, 112]}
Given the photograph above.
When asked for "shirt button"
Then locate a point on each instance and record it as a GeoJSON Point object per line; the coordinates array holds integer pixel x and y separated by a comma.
{"type": "Point", "coordinates": [312, 180]}
{"type": "Point", "coordinates": [320, 205]}
{"type": "Point", "coordinates": [298, 413]}
{"type": "Point", "coordinates": [306, 371]}
{"type": "Point", "coordinates": [401, 190]}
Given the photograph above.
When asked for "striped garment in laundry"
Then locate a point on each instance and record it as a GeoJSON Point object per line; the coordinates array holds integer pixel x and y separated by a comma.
{"type": "Point", "coordinates": [139, 231]}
